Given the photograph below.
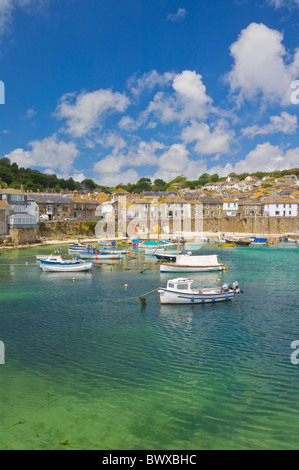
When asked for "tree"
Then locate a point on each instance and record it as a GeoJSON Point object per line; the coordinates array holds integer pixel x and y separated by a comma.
{"type": "Point", "coordinates": [89, 184]}
{"type": "Point", "coordinates": [159, 185]}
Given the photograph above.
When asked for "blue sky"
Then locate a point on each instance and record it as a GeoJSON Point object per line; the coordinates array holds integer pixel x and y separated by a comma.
{"type": "Point", "coordinates": [117, 90]}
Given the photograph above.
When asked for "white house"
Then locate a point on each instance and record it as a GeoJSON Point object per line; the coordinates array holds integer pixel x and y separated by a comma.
{"type": "Point", "coordinates": [230, 207]}
{"type": "Point", "coordinates": [279, 208]}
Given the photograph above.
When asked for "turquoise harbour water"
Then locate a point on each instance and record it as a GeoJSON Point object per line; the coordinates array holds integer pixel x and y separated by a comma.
{"type": "Point", "coordinates": [88, 367]}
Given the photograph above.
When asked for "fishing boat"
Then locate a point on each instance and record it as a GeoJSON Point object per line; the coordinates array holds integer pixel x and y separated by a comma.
{"type": "Point", "coordinates": [59, 264]}
{"type": "Point", "coordinates": [179, 291]}
{"type": "Point", "coordinates": [170, 258]}
{"type": "Point", "coordinates": [227, 245]}
{"type": "Point", "coordinates": [103, 243]}
{"type": "Point", "coordinates": [76, 247]}
{"type": "Point", "coordinates": [238, 241]}
{"type": "Point", "coordinates": [259, 242]}
{"type": "Point", "coordinates": [95, 253]}
{"type": "Point", "coordinates": [66, 267]}
{"type": "Point", "coordinates": [189, 263]}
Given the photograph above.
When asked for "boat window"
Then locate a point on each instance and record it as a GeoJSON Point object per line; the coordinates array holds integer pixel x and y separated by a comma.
{"type": "Point", "coordinates": [171, 286]}
{"type": "Point", "coordinates": [182, 286]}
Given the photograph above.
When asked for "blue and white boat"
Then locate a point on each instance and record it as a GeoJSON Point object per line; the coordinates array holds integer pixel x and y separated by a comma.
{"type": "Point", "coordinates": [95, 253]}
{"type": "Point", "coordinates": [179, 291]}
{"type": "Point", "coordinates": [259, 242]}
{"type": "Point", "coordinates": [55, 263]}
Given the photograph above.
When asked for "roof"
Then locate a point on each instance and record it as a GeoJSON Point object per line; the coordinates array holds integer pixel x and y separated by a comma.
{"type": "Point", "coordinates": [5, 205]}
{"type": "Point", "coordinates": [120, 191]}
{"type": "Point", "coordinates": [48, 198]}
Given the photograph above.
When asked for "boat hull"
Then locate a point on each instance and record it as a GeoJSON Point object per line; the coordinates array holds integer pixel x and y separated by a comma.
{"type": "Point", "coordinates": [97, 256]}
{"type": "Point", "coordinates": [66, 268]}
{"type": "Point", "coordinates": [169, 297]}
{"type": "Point", "coordinates": [175, 268]}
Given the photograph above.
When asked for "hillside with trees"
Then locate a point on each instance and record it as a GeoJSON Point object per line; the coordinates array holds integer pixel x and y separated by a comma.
{"type": "Point", "coordinates": [33, 180]}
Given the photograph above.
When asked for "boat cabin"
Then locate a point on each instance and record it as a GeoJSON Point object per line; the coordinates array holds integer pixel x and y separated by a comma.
{"type": "Point", "coordinates": [180, 283]}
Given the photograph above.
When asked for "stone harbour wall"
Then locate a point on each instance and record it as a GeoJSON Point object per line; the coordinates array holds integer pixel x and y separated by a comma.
{"type": "Point", "coordinates": [266, 225]}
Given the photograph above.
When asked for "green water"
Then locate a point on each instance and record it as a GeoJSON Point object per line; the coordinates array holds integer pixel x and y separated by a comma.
{"type": "Point", "coordinates": [87, 367]}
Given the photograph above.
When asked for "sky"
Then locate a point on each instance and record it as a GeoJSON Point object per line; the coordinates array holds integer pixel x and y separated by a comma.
{"type": "Point", "coordinates": [117, 90]}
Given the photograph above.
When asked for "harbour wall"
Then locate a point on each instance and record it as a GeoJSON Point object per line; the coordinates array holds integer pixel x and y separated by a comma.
{"type": "Point", "coordinates": [266, 225]}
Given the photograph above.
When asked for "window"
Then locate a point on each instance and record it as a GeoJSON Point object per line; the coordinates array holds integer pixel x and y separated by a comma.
{"type": "Point", "coordinates": [290, 212]}
{"type": "Point", "coordinates": [218, 206]}
{"type": "Point", "coordinates": [207, 206]}
{"type": "Point", "coordinates": [276, 212]}
{"type": "Point", "coordinates": [207, 212]}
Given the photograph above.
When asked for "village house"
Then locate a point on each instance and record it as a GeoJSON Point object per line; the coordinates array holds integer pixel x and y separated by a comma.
{"type": "Point", "coordinates": [6, 210]}
{"type": "Point", "coordinates": [249, 208]}
{"type": "Point", "coordinates": [53, 206]}
{"type": "Point", "coordinates": [230, 207]}
{"type": "Point", "coordinates": [18, 200]}
{"type": "Point", "coordinates": [280, 207]}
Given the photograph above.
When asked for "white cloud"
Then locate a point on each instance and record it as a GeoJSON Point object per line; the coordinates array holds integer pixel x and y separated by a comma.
{"type": "Point", "coordinates": [175, 161]}
{"type": "Point", "coordinates": [260, 67]}
{"type": "Point", "coordinates": [178, 16]}
{"type": "Point", "coordinates": [144, 153]}
{"type": "Point", "coordinates": [86, 111]}
{"type": "Point", "coordinates": [283, 3]}
{"type": "Point", "coordinates": [188, 101]}
{"type": "Point", "coordinates": [112, 178]}
{"type": "Point", "coordinates": [47, 153]}
{"type": "Point", "coordinates": [285, 123]}
{"type": "Point", "coordinates": [265, 157]}
{"type": "Point", "coordinates": [208, 142]}
{"type": "Point", "coordinates": [7, 8]}
{"type": "Point", "coordinates": [78, 176]}
{"type": "Point", "coordinates": [30, 113]}
{"type": "Point", "coordinates": [148, 81]}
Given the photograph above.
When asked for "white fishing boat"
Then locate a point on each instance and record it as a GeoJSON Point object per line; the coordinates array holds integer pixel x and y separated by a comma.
{"type": "Point", "coordinates": [189, 263]}
{"type": "Point", "coordinates": [59, 264]}
{"type": "Point", "coordinates": [66, 267]}
{"type": "Point", "coordinates": [179, 291]}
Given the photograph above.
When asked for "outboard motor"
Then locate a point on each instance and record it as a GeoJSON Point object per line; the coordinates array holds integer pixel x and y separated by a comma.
{"type": "Point", "coordinates": [235, 287]}
{"type": "Point", "coordinates": [225, 287]}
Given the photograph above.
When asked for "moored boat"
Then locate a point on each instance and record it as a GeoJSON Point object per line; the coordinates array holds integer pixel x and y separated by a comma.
{"type": "Point", "coordinates": [179, 291]}
{"type": "Point", "coordinates": [259, 242]}
{"type": "Point", "coordinates": [227, 245]}
{"type": "Point", "coordinates": [95, 253]}
{"type": "Point", "coordinates": [77, 247]}
{"type": "Point", "coordinates": [58, 264]}
{"type": "Point", "coordinates": [188, 263]}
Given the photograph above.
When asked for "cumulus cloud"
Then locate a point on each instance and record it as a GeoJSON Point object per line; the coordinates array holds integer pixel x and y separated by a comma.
{"type": "Point", "coordinates": [189, 99]}
{"type": "Point", "coordinates": [285, 123]}
{"type": "Point", "coordinates": [7, 8]}
{"type": "Point", "coordinates": [148, 81]}
{"type": "Point", "coordinates": [265, 157]}
{"type": "Point", "coordinates": [178, 16]}
{"type": "Point", "coordinates": [85, 112]}
{"type": "Point", "coordinates": [260, 66]}
{"type": "Point", "coordinates": [47, 153]}
{"type": "Point", "coordinates": [215, 141]}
